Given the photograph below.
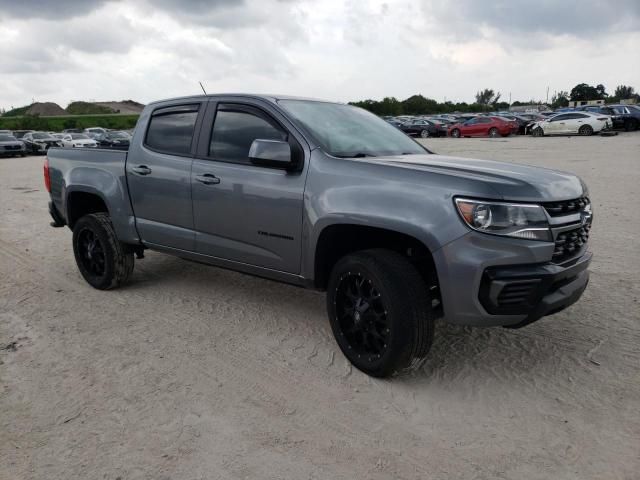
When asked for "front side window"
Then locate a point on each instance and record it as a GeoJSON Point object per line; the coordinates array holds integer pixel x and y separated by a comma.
{"type": "Point", "coordinates": [171, 132]}
{"type": "Point", "coordinates": [235, 130]}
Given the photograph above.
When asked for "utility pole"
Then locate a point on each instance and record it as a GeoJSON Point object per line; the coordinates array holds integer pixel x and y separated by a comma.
{"type": "Point", "coordinates": [547, 101]}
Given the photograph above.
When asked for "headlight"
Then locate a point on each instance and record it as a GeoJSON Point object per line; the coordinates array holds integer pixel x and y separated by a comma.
{"type": "Point", "coordinates": [507, 219]}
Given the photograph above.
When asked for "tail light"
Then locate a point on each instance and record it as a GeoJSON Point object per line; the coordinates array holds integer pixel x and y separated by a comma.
{"type": "Point", "coordinates": [47, 178]}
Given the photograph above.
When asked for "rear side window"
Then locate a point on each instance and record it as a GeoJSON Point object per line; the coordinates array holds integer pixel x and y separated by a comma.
{"type": "Point", "coordinates": [235, 130]}
{"type": "Point", "coordinates": [171, 130]}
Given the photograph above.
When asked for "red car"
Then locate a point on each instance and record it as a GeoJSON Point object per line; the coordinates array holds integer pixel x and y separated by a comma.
{"type": "Point", "coordinates": [481, 127]}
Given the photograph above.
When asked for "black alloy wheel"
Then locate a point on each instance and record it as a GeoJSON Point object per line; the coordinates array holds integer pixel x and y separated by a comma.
{"type": "Point", "coordinates": [362, 316]}
{"type": "Point", "coordinates": [91, 252]}
{"type": "Point", "coordinates": [102, 260]}
{"type": "Point", "coordinates": [380, 312]}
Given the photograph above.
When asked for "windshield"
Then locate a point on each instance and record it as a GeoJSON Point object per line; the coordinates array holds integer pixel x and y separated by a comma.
{"type": "Point", "coordinates": [348, 131]}
{"type": "Point", "coordinates": [79, 136]}
{"type": "Point", "coordinates": [7, 138]}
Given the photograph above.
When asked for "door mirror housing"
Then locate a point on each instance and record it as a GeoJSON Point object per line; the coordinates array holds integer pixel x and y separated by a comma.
{"type": "Point", "coordinates": [271, 153]}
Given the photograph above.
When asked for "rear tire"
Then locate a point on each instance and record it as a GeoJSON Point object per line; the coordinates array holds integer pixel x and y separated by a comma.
{"type": "Point", "coordinates": [424, 134]}
{"type": "Point", "coordinates": [537, 132]}
{"type": "Point", "coordinates": [630, 125]}
{"type": "Point", "coordinates": [585, 130]}
{"type": "Point", "coordinates": [102, 260]}
{"type": "Point", "coordinates": [380, 312]}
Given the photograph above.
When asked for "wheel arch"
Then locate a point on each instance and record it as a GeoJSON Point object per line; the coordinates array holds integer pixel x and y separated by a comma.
{"type": "Point", "coordinates": [336, 240]}
{"type": "Point", "coordinates": [83, 201]}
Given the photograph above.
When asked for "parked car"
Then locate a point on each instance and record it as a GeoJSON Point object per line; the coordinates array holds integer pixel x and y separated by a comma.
{"type": "Point", "coordinates": [21, 133]}
{"type": "Point", "coordinates": [571, 123]}
{"type": "Point", "coordinates": [629, 116]}
{"type": "Point", "coordinates": [423, 128]}
{"type": "Point", "coordinates": [39, 142]}
{"type": "Point", "coordinates": [96, 130]}
{"type": "Point", "coordinates": [11, 146]}
{"type": "Point", "coordinates": [6, 132]}
{"type": "Point", "coordinates": [511, 120]}
{"type": "Point", "coordinates": [481, 127]}
{"type": "Point", "coordinates": [114, 140]}
{"type": "Point", "coordinates": [72, 130]}
{"type": "Point", "coordinates": [78, 140]}
{"type": "Point", "coordinates": [393, 121]}
{"type": "Point", "coordinates": [330, 197]}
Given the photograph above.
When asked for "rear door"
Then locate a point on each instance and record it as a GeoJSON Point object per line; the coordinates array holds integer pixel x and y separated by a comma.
{"type": "Point", "coordinates": [576, 121]}
{"type": "Point", "coordinates": [243, 212]}
{"type": "Point", "coordinates": [159, 176]}
{"type": "Point", "coordinates": [556, 125]}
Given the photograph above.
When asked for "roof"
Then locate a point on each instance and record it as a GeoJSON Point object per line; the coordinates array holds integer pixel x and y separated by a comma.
{"type": "Point", "coordinates": [259, 96]}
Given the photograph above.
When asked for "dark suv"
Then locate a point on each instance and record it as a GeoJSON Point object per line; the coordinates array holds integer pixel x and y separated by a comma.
{"type": "Point", "coordinates": [630, 115]}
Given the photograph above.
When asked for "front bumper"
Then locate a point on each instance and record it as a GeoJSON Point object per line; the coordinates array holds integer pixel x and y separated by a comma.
{"type": "Point", "coordinates": [533, 290]}
{"type": "Point", "coordinates": [487, 280]}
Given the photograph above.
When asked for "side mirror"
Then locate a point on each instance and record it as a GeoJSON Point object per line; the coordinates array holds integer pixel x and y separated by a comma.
{"type": "Point", "coordinates": [271, 153]}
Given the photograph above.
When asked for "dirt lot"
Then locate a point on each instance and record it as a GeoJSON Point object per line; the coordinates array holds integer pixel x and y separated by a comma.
{"type": "Point", "coordinates": [193, 372]}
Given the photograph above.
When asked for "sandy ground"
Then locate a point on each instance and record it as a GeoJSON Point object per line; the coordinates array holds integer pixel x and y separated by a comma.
{"type": "Point", "coordinates": [193, 372]}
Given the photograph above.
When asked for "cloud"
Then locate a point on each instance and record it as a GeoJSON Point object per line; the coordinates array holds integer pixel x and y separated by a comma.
{"type": "Point", "coordinates": [336, 49]}
{"type": "Point", "coordinates": [472, 19]}
{"type": "Point", "coordinates": [48, 9]}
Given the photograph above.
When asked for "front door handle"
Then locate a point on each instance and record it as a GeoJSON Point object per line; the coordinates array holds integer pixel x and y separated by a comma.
{"type": "Point", "coordinates": [141, 170]}
{"type": "Point", "coordinates": [208, 179]}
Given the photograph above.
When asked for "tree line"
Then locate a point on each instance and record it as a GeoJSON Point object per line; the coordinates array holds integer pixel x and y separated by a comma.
{"type": "Point", "coordinates": [489, 100]}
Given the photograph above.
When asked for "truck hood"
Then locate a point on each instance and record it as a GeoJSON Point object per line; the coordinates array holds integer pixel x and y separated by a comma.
{"type": "Point", "coordinates": [510, 181]}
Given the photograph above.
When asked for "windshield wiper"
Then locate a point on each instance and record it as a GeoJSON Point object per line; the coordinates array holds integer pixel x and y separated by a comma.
{"type": "Point", "coordinates": [355, 155]}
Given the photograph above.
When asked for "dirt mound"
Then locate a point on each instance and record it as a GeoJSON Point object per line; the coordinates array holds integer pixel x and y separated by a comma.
{"type": "Point", "coordinates": [125, 106]}
{"type": "Point", "coordinates": [46, 109]}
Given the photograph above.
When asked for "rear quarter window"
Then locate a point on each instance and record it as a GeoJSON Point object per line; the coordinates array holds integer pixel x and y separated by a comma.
{"type": "Point", "coordinates": [171, 131]}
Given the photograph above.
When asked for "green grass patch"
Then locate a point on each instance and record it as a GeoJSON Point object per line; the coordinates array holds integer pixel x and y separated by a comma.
{"type": "Point", "coordinates": [59, 123]}
{"type": "Point", "coordinates": [88, 108]}
{"type": "Point", "coordinates": [17, 112]}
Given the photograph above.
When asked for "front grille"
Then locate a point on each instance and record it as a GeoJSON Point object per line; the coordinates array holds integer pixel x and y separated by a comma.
{"type": "Point", "coordinates": [517, 293]}
{"type": "Point", "coordinates": [571, 242]}
{"type": "Point", "coordinates": [566, 207]}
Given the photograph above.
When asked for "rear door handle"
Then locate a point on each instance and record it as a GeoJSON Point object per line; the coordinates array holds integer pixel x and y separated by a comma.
{"type": "Point", "coordinates": [208, 179]}
{"type": "Point", "coordinates": [141, 170]}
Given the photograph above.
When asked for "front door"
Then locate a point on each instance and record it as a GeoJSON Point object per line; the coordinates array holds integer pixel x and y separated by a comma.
{"type": "Point", "coordinates": [244, 212]}
{"type": "Point", "coordinates": [159, 177]}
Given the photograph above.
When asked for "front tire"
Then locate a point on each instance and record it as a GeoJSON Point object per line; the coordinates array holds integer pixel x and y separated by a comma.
{"type": "Point", "coordinates": [102, 260]}
{"type": "Point", "coordinates": [380, 312]}
{"type": "Point", "coordinates": [537, 132]}
{"type": "Point", "coordinates": [424, 134]}
{"type": "Point", "coordinates": [493, 132]}
{"type": "Point", "coordinates": [455, 133]}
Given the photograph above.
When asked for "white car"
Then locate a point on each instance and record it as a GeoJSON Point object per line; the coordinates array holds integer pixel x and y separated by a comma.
{"type": "Point", "coordinates": [78, 140]}
{"type": "Point", "coordinates": [569, 123]}
{"type": "Point", "coordinates": [96, 130]}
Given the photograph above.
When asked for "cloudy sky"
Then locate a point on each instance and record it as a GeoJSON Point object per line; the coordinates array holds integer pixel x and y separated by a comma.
{"type": "Point", "coordinates": [343, 50]}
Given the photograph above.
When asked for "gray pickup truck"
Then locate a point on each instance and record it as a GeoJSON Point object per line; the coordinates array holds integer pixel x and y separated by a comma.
{"type": "Point", "coordinates": [330, 197]}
